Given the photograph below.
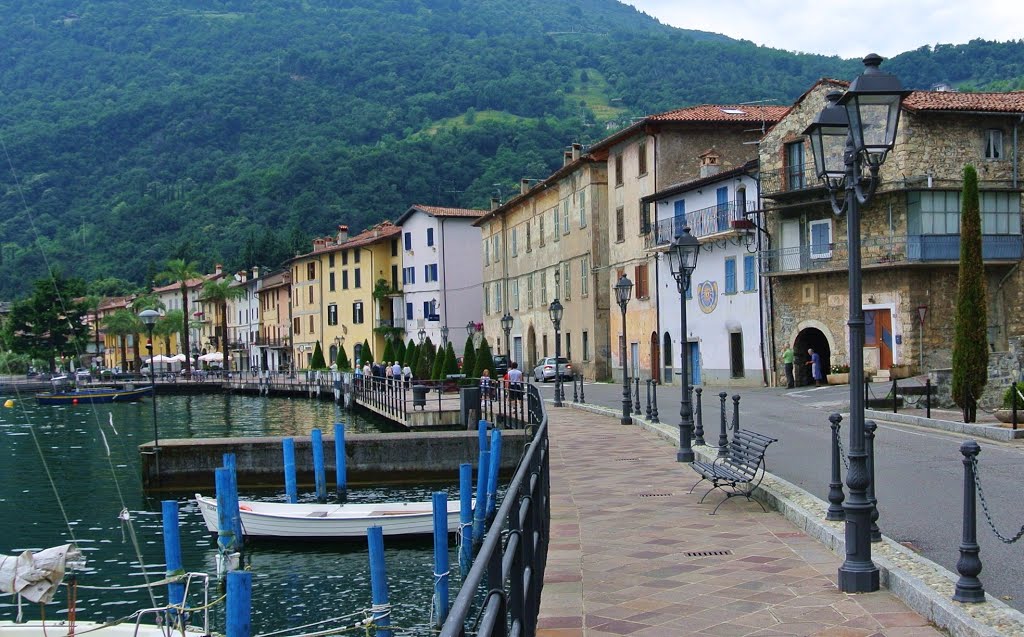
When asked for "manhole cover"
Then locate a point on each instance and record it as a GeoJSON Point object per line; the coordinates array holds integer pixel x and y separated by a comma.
{"type": "Point", "coordinates": [627, 460]}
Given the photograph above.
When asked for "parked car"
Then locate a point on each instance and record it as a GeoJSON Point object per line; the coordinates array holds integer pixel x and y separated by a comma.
{"type": "Point", "coordinates": [545, 370]}
{"type": "Point", "coordinates": [500, 365]}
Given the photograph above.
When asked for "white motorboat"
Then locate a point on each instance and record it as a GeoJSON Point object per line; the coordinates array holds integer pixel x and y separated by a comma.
{"type": "Point", "coordinates": [286, 520]}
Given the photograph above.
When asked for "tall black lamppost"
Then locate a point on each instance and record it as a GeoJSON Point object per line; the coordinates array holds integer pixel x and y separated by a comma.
{"type": "Point", "coordinates": [421, 335]}
{"type": "Point", "coordinates": [444, 336]}
{"type": "Point", "coordinates": [470, 328]}
{"type": "Point", "coordinates": [623, 290]}
{"type": "Point", "coordinates": [555, 312]}
{"type": "Point", "coordinates": [150, 317]}
{"type": "Point", "coordinates": [506, 326]}
{"type": "Point", "coordinates": [857, 129]}
{"type": "Point", "coordinates": [682, 258]}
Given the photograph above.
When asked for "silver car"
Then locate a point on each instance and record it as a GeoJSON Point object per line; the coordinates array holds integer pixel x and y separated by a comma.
{"type": "Point", "coordinates": [545, 370]}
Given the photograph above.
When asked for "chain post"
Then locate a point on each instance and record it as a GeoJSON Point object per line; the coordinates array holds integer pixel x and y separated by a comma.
{"type": "Point", "coordinates": [654, 407]}
{"type": "Point", "coordinates": [894, 388]}
{"type": "Point", "coordinates": [636, 396]}
{"type": "Point", "coordinates": [835, 486]}
{"type": "Point", "coordinates": [869, 447]}
{"type": "Point", "coordinates": [698, 432]}
{"type": "Point", "coordinates": [647, 413]}
{"type": "Point", "coordinates": [968, 587]}
{"type": "Point", "coordinates": [735, 413]}
{"type": "Point", "coordinates": [723, 436]}
{"type": "Point", "coordinates": [928, 397]}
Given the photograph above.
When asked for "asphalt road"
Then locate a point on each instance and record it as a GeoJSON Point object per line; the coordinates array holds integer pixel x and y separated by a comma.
{"type": "Point", "coordinates": [918, 471]}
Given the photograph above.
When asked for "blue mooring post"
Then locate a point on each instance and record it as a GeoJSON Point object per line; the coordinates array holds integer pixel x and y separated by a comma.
{"type": "Point", "coordinates": [379, 581]}
{"type": "Point", "coordinates": [236, 516]}
{"type": "Point", "coordinates": [239, 604]}
{"type": "Point", "coordinates": [288, 444]}
{"type": "Point", "coordinates": [319, 473]}
{"type": "Point", "coordinates": [465, 517]}
{"type": "Point", "coordinates": [172, 552]}
{"type": "Point", "coordinates": [340, 460]}
{"type": "Point", "coordinates": [480, 510]}
{"type": "Point", "coordinates": [440, 557]}
{"type": "Point", "coordinates": [492, 474]}
{"type": "Point", "coordinates": [225, 530]}
{"type": "Point", "coordinates": [481, 429]}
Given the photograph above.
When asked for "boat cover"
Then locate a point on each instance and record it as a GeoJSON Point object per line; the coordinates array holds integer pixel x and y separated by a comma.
{"type": "Point", "coordinates": [36, 576]}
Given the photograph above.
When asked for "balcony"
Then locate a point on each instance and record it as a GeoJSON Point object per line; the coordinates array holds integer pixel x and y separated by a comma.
{"type": "Point", "coordinates": [796, 179]}
{"type": "Point", "coordinates": [887, 251]}
{"type": "Point", "coordinates": [717, 219]}
{"type": "Point", "coordinates": [284, 342]}
{"type": "Point", "coordinates": [398, 323]}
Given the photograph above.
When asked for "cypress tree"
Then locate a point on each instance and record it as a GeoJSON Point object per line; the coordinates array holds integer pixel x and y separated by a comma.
{"type": "Point", "coordinates": [342, 360]}
{"type": "Point", "coordinates": [318, 361]}
{"type": "Point", "coordinates": [425, 360]}
{"type": "Point", "coordinates": [437, 370]}
{"type": "Point", "coordinates": [469, 357]}
{"type": "Point", "coordinates": [970, 339]}
{"type": "Point", "coordinates": [410, 355]}
{"type": "Point", "coordinates": [484, 360]}
{"type": "Point", "coordinates": [389, 353]}
{"type": "Point", "coordinates": [366, 355]}
{"type": "Point", "coordinates": [451, 365]}
{"type": "Point", "coordinates": [400, 352]}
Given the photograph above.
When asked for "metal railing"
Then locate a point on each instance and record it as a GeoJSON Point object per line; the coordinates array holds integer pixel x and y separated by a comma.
{"type": "Point", "coordinates": [388, 395]}
{"type": "Point", "coordinates": [266, 341]}
{"type": "Point", "coordinates": [704, 222]}
{"type": "Point", "coordinates": [391, 322]}
{"type": "Point", "coordinates": [887, 251]}
{"type": "Point", "coordinates": [508, 570]}
{"type": "Point", "coordinates": [789, 180]}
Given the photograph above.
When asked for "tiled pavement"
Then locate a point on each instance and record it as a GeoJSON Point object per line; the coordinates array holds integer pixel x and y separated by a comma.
{"type": "Point", "coordinates": [632, 553]}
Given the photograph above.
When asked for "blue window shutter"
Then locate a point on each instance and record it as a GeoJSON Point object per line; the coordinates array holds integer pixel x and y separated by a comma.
{"type": "Point", "coordinates": [819, 237]}
{"type": "Point", "coordinates": [408, 311]}
{"type": "Point", "coordinates": [748, 273]}
{"type": "Point", "coordinates": [730, 276]}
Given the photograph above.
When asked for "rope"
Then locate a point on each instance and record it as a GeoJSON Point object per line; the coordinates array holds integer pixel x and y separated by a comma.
{"type": "Point", "coordinates": [166, 580]}
{"type": "Point", "coordinates": [316, 623]}
{"type": "Point", "coordinates": [984, 507]}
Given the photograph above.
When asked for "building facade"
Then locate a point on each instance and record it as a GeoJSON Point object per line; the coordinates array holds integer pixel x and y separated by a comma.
{"type": "Point", "coordinates": [273, 343]}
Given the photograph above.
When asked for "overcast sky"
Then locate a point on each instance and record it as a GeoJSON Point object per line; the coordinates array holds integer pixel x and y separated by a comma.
{"type": "Point", "coordinates": [870, 26]}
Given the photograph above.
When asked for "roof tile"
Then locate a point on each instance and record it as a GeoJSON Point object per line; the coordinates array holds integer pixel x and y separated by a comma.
{"type": "Point", "coordinates": [1010, 102]}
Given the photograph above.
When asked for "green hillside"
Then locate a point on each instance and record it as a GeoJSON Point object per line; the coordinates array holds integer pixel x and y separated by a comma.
{"type": "Point", "coordinates": [231, 131]}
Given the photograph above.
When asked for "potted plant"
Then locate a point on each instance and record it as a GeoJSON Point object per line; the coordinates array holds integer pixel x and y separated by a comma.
{"type": "Point", "coordinates": [839, 375]}
{"type": "Point", "coordinates": [1005, 413]}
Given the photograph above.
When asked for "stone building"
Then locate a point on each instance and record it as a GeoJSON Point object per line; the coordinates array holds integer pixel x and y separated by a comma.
{"type": "Point", "coordinates": [909, 233]}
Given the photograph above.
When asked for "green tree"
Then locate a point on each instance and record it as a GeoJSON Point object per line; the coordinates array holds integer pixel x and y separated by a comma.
{"type": "Point", "coordinates": [49, 323]}
{"type": "Point", "coordinates": [425, 359]}
{"type": "Point", "coordinates": [410, 355]}
{"type": "Point", "coordinates": [219, 292]}
{"type": "Point", "coordinates": [318, 362]}
{"type": "Point", "coordinates": [389, 353]}
{"type": "Point", "coordinates": [400, 351]}
{"type": "Point", "coordinates": [342, 360]}
{"type": "Point", "coordinates": [366, 355]}
{"type": "Point", "coordinates": [468, 357]}
{"type": "Point", "coordinates": [484, 360]}
{"type": "Point", "coordinates": [166, 326]}
{"type": "Point", "coordinates": [437, 369]}
{"type": "Point", "coordinates": [970, 342]}
{"type": "Point", "coordinates": [451, 363]}
{"type": "Point", "coordinates": [181, 272]}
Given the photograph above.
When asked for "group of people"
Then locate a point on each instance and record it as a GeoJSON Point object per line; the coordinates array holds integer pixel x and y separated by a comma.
{"type": "Point", "coordinates": [384, 371]}
{"type": "Point", "coordinates": [813, 359]}
{"type": "Point", "coordinates": [513, 379]}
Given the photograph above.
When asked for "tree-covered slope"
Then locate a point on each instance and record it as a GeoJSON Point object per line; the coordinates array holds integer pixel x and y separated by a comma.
{"type": "Point", "coordinates": [231, 131]}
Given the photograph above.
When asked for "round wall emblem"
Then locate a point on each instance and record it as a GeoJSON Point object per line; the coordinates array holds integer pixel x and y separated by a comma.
{"type": "Point", "coordinates": [707, 296]}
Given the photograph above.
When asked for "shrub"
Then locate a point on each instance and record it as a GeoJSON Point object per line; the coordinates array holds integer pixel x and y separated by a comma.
{"type": "Point", "coordinates": [1008, 398]}
{"type": "Point", "coordinates": [840, 369]}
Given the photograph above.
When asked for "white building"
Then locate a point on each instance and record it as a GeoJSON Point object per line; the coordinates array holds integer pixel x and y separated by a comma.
{"type": "Point", "coordinates": [442, 272]}
{"type": "Point", "coordinates": [723, 304]}
{"type": "Point", "coordinates": [244, 323]}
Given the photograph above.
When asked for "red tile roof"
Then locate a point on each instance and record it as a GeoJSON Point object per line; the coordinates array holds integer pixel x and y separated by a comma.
{"type": "Point", "coordinates": [1011, 102]}
{"type": "Point", "coordinates": [721, 113]}
{"type": "Point", "coordinates": [438, 211]}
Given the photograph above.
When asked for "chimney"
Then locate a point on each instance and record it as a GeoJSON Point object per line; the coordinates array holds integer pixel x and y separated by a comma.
{"type": "Point", "coordinates": [255, 271]}
{"type": "Point", "coordinates": [218, 269]}
{"type": "Point", "coordinates": [495, 203]}
{"type": "Point", "coordinates": [567, 157]}
{"type": "Point", "coordinates": [524, 185]}
{"type": "Point", "coordinates": [577, 151]}
{"type": "Point", "coordinates": [709, 163]}
{"type": "Point", "coordinates": [342, 233]}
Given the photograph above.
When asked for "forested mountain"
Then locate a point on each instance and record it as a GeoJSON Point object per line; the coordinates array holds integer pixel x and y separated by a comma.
{"type": "Point", "coordinates": [232, 131]}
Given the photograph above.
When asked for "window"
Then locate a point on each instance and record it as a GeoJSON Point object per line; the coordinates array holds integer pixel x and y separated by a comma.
{"type": "Point", "coordinates": [408, 311]}
{"type": "Point", "coordinates": [487, 298]}
{"type": "Point", "coordinates": [1000, 213]}
{"type": "Point", "coordinates": [586, 346]}
{"type": "Point", "coordinates": [355, 256]}
{"type": "Point", "coordinates": [583, 208]}
{"type": "Point", "coordinates": [344, 257]}
{"type": "Point", "coordinates": [540, 235]}
{"type": "Point", "coordinates": [430, 237]}
{"type": "Point", "coordinates": [568, 345]}
{"type": "Point", "coordinates": [556, 223]}
{"type": "Point", "coordinates": [515, 242]}
{"type": "Point", "coordinates": [357, 284]}
{"type": "Point", "coordinates": [529, 246]}
{"type": "Point", "coordinates": [330, 278]}
{"type": "Point", "coordinates": [430, 273]}
{"type": "Point", "coordinates": [311, 271]}
{"type": "Point", "coordinates": [330, 260]}
{"type": "Point", "coordinates": [297, 325]}
{"type": "Point", "coordinates": [408, 240]}
{"type": "Point", "coordinates": [643, 290]}
{"type": "Point", "coordinates": [749, 273]}
{"type": "Point", "coordinates": [408, 275]}
{"type": "Point", "coordinates": [567, 277]}
{"type": "Point", "coordinates": [543, 275]}
{"type": "Point", "coordinates": [820, 233]}
{"type": "Point", "coordinates": [641, 159]}
{"type": "Point", "coordinates": [394, 247]}
{"type": "Point", "coordinates": [645, 218]}
{"type": "Point", "coordinates": [529, 290]}
{"type": "Point", "coordinates": [795, 165]}
{"type": "Point", "coordinates": [618, 170]}
{"type": "Point", "coordinates": [993, 144]}
{"type": "Point", "coordinates": [311, 295]}
{"type": "Point", "coordinates": [497, 298]}
{"type": "Point", "coordinates": [496, 248]}
{"type": "Point", "coordinates": [487, 252]}
{"type": "Point", "coordinates": [515, 294]}
{"type": "Point", "coordinates": [620, 226]}
{"type": "Point", "coordinates": [332, 314]}
{"type": "Point", "coordinates": [394, 276]}
{"type": "Point", "coordinates": [344, 279]}
{"type": "Point", "coordinates": [312, 325]}
{"type": "Point", "coordinates": [730, 275]}
{"type": "Point", "coordinates": [585, 276]}
{"type": "Point", "coordinates": [428, 307]}
{"type": "Point", "coordinates": [565, 216]}
{"type": "Point", "coordinates": [357, 312]}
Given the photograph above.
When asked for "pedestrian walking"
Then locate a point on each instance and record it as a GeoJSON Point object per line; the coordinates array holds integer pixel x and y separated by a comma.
{"type": "Point", "coordinates": [787, 362]}
{"type": "Point", "coordinates": [485, 384]}
{"type": "Point", "coordinates": [515, 381]}
{"type": "Point", "coordinates": [407, 375]}
{"type": "Point", "coordinates": [815, 362]}
{"type": "Point", "coordinates": [396, 372]}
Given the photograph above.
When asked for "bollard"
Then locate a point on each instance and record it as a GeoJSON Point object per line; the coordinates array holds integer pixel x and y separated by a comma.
{"type": "Point", "coordinates": [636, 399]}
{"type": "Point", "coordinates": [928, 397]}
{"type": "Point", "coordinates": [288, 445]}
{"type": "Point", "coordinates": [480, 510]}
{"type": "Point", "coordinates": [238, 614]}
{"type": "Point", "coordinates": [440, 509]}
{"type": "Point", "coordinates": [492, 473]}
{"type": "Point", "coordinates": [465, 517]}
{"type": "Point", "coordinates": [172, 553]}
{"type": "Point", "coordinates": [1013, 415]}
{"type": "Point", "coordinates": [835, 485]}
{"type": "Point", "coordinates": [582, 399]}
{"type": "Point", "coordinates": [575, 393]}
{"type": "Point", "coordinates": [647, 412]}
{"type": "Point", "coordinates": [698, 432]}
{"type": "Point", "coordinates": [226, 540]}
{"type": "Point", "coordinates": [379, 582]}
{"type": "Point", "coordinates": [340, 461]}
{"type": "Point", "coordinates": [236, 516]}
{"type": "Point", "coordinates": [894, 388]}
{"type": "Point", "coordinates": [735, 413]}
{"type": "Point", "coordinates": [481, 431]}
{"type": "Point", "coordinates": [869, 448]}
{"type": "Point", "coordinates": [723, 436]}
{"type": "Point", "coordinates": [654, 407]}
{"type": "Point", "coordinates": [968, 588]}
{"type": "Point", "coordinates": [319, 475]}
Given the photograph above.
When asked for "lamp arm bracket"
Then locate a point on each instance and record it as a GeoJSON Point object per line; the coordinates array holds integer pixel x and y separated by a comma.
{"type": "Point", "coordinates": [838, 208]}
{"type": "Point", "coordinates": [864, 196]}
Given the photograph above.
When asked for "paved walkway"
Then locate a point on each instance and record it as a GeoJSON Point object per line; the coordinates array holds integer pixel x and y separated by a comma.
{"type": "Point", "coordinates": [632, 553]}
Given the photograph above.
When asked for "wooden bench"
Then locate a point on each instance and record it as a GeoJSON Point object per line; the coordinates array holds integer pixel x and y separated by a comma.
{"type": "Point", "coordinates": [739, 473]}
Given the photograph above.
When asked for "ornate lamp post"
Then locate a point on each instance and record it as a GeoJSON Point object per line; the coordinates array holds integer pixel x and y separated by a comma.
{"type": "Point", "coordinates": [624, 290]}
{"type": "Point", "coordinates": [506, 326]}
{"type": "Point", "coordinates": [150, 317]}
{"type": "Point", "coordinates": [855, 129]}
{"type": "Point", "coordinates": [421, 335]}
{"type": "Point", "coordinates": [555, 312]}
{"type": "Point", "coordinates": [470, 328]}
{"type": "Point", "coordinates": [444, 336]}
{"type": "Point", "coordinates": [682, 258]}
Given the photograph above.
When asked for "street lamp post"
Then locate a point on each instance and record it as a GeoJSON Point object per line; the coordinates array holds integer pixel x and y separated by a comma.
{"type": "Point", "coordinates": [150, 317]}
{"type": "Point", "coordinates": [682, 258]}
{"type": "Point", "coordinates": [506, 326]}
{"type": "Point", "coordinates": [444, 336]}
{"type": "Point", "coordinates": [855, 129]}
{"type": "Point", "coordinates": [623, 290]}
{"type": "Point", "coordinates": [421, 335]}
{"type": "Point", "coordinates": [555, 312]}
{"type": "Point", "coordinates": [470, 328]}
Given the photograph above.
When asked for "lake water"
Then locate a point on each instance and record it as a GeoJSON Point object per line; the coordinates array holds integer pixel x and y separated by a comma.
{"type": "Point", "coordinates": [59, 483]}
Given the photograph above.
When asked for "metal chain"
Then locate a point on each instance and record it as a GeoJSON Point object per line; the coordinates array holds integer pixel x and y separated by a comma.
{"type": "Point", "coordinates": [984, 507]}
{"type": "Point", "coordinates": [842, 452]}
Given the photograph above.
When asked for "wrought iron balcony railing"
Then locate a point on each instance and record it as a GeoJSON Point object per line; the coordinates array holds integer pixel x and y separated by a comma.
{"type": "Point", "coordinates": [704, 222]}
{"type": "Point", "coordinates": [391, 322]}
{"type": "Point", "coordinates": [789, 180]}
{"type": "Point", "coordinates": [266, 341]}
{"type": "Point", "coordinates": [879, 251]}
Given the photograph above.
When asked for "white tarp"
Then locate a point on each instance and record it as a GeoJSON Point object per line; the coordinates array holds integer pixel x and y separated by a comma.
{"type": "Point", "coordinates": [36, 576]}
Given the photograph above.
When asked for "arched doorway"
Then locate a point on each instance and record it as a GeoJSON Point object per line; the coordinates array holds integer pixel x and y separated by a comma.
{"type": "Point", "coordinates": [667, 358]}
{"type": "Point", "coordinates": [531, 348]}
{"type": "Point", "coordinates": [655, 358]}
{"type": "Point", "coordinates": [810, 338]}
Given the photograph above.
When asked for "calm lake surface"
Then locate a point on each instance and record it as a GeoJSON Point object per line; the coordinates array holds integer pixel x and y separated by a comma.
{"type": "Point", "coordinates": [59, 483]}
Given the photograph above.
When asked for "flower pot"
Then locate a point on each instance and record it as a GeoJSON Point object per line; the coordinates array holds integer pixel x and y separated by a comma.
{"type": "Point", "coordinates": [839, 379]}
{"type": "Point", "coordinates": [1006, 415]}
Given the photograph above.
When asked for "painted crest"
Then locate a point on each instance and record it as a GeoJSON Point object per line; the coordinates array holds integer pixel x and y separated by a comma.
{"type": "Point", "coordinates": [707, 296]}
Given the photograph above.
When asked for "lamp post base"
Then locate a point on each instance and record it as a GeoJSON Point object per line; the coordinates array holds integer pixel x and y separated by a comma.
{"type": "Point", "coordinates": [685, 456]}
{"type": "Point", "coordinates": [858, 577]}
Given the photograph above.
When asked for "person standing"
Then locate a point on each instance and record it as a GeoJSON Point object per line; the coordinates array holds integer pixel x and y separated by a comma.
{"type": "Point", "coordinates": [515, 381]}
{"type": "Point", "coordinates": [815, 363]}
{"type": "Point", "coordinates": [787, 362]}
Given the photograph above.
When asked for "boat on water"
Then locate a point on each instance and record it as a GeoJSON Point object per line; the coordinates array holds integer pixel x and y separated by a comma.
{"type": "Point", "coordinates": [62, 394]}
{"type": "Point", "coordinates": [349, 520]}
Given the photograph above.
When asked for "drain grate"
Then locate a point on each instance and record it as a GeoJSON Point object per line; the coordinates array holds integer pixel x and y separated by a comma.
{"type": "Point", "coordinates": [655, 495]}
{"type": "Point", "coordinates": [706, 553]}
{"type": "Point", "coordinates": [627, 460]}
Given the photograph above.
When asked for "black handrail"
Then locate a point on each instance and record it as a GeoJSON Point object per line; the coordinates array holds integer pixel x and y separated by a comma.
{"type": "Point", "coordinates": [512, 575]}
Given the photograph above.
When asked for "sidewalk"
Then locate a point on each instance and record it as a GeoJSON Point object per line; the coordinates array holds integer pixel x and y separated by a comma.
{"type": "Point", "coordinates": [632, 553]}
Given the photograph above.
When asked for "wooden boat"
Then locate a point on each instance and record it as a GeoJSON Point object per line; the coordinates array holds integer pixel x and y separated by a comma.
{"type": "Point", "coordinates": [285, 520]}
{"type": "Point", "coordinates": [93, 395]}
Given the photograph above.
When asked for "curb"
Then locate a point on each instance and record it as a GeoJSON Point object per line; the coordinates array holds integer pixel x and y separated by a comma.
{"type": "Point", "coordinates": [978, 431]}
{"type": "Point", "coordinates": [924, 586]}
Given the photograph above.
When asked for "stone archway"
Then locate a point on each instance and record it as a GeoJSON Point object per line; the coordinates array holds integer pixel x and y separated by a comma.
{"type": "Point", "coordinates": [810, 338]}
